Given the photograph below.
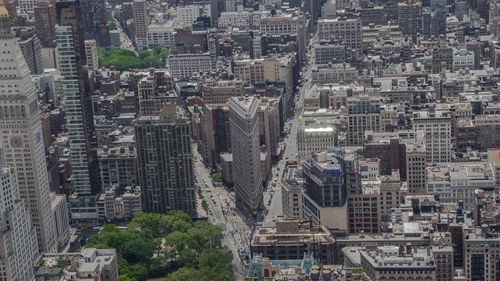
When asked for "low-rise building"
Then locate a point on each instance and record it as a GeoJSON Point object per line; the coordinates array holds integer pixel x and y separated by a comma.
{"type": "Point", "coordinates": [88, 264]}
{"type": "Point", "coordinates": [117, 165]}
{"type": "Point", "coordinates": [187, 65]}
{"type": "Point", "coordinates": [457, 181]}
{"type": "Point", "coordinates": [494, 162]}
{"type": "Point", "coordinates": [329, 52]}
{"type": "Point", "coordinates": [333, 73]}
{"type": "Point", "coordinates": [160, 36]}
{"type": "Point", "coordinates": [221, 91]}
{"type": "Point", "coordinates": [60, 209]}
{"type": "Point", "coordinates": [463, 59]}
{"type": "Point", "coordinates": [291, 238]}
{"type": "Point", "coordinates": [314, 137]}
{"type": "Point", "coordinates": [291, 192]}
{"type": "Point", "coordinates": [390, 262]}
{"type": "Point", "coordinates": [114, 204]}
{"type": "Point", "coordinates": [488, 131]}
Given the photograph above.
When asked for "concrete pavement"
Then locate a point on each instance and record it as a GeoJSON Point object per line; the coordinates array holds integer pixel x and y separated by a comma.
{"type": "Point", "coordinates": [223, 212]}
{"type": "Point", "coordinates": [125, 41]}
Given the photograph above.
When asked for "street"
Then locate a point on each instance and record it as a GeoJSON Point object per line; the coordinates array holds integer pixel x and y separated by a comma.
{"type": "Point", "coordinates": [125, 42]}
{"type": "Point", "coordinates": [234, 227]}
{"type": "Point", "coordinates": [222, 211]}
{"type": "Point", "coordinates": [274, 209]}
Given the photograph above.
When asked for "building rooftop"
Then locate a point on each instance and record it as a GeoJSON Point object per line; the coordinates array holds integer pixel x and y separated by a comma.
{"type": "Point", "coordinates": [291, 232]}
{"type": "Point", "coordinates": [321, 129]}
{"type": "Point", "coordinates": [459, 172]}
{"type": "Point", "coordinates": [324, 161]}
{"type": "Point", "coordinates": [392, 258]}
{"type": "Point", "coordinates": [246, 106]}
{"type": "Point", "coordinates": [494, 156]}
{"type": "Point", "coordinates": [370, 186]}
{"type": "Point", "coordinates": [352, 254]}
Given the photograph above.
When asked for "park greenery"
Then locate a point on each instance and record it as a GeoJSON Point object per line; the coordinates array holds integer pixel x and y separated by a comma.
{"type": "Point", "coordinates": [172, 246]}
{"type": "Point", "coordinates": [123, 59]}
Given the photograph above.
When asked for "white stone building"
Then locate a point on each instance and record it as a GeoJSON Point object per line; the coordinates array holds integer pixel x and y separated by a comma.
{"type": "Point", "coordinates": [240, 20]}
{"type": "Point", "coordinates": [21, 133]}
{"type": "Point", "coordinates": [436, 126]}
{"type": "Point", "coordinates": [314, 137]}
{"type": "Point", "coordinates": [457, 181]}
{"type": "Point", "coordinates": [247, 173]}
{"type": "Point", "coordinates": [18, 247]}
{"type": "Point", "coordinates": [348, 30]}
{"type": "Point", "coordinates": [160, 36]}
{"type": "Point", "coordinates": [187, 65]}
{"type": "Point", "coordinates": [463, 59]}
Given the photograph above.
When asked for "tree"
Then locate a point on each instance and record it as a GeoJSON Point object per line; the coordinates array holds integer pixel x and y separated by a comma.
{"type": "Point", "coordinates": [217, 176]}
{"type": "Point", "coordinates": [204, 205]}
{"type": "Point", "coordinates": [138, 251]}
{"type": "Point", "coordinates": [176, 241]}
{"type": "Point", "coordinates": [216, 264]}
{"type": "Point", "coordinates": [190, 250]}
{"type": "Point", "coordinates": [184, 274]}
{"type": "Point", "coordinates": [135, 272]}
{"type": "Point", "coordinates": [157, 223]}
{"type": "Point", "coordinates": [124, 59]}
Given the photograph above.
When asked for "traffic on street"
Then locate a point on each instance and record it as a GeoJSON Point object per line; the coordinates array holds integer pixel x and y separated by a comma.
{"type": "Point", "coordinates": [222, 210]}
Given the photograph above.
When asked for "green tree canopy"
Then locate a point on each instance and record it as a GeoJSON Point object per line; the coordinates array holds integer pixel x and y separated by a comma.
{"type": "Point", "coordinates": [154, 245]}
{"type": "Point", "coordinates": [124, 59]}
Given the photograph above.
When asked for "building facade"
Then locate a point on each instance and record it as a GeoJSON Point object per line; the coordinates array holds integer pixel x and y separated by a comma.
{"type": "Point", "coordinates": [436, 126]}
{"type": "Point", "coordinates": [291, 238]}
{"type": "Point", "coordinates": [291, 193]}
{"type": "Point", "coordinates": [186, 65]}
{"type": "Point", "coordinates": [45, 19]}
{"type": "Point", "coordinates": [363, 115]}
{"type": "Point", "coordinates": [343, 29]}
{"type": "Point", "coordinates": [141, 22]}
{"type": "Point", "coordinates": [247, 173]}
{"type": "Point", "coordinates": [313, 138]}
{"type": "Point", "coordinates": [18, 246]}
{"type": "Point", "coordinates": [76, 93]}
{"type": "Point", "coordinates": [165, 164]}
{"type": "Point", "coordinates": [21, 133]}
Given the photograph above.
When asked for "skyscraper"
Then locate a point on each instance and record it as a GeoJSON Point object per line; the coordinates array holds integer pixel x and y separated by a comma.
{"type": "Point", "coordinates": [165, 162]}
{"type": "Point", "coordinates": [32, 50]}
{"type": "Point", "coordinates": [141, 22]}
{"type": "Point", "coordinates": [410, 18]}
{"type": "Point", "coordinates": [93, 14]}
{"type": "Point", "coordinates": [77, 105]}
{"type": "Point", "coordinates": [18, 247]}
{"type": "Point", "coordinates": [21, 133]}
{"type": "Point", "coordinates": [45, 22]}
{"type": "Point", "coordinates": [247, 173]}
